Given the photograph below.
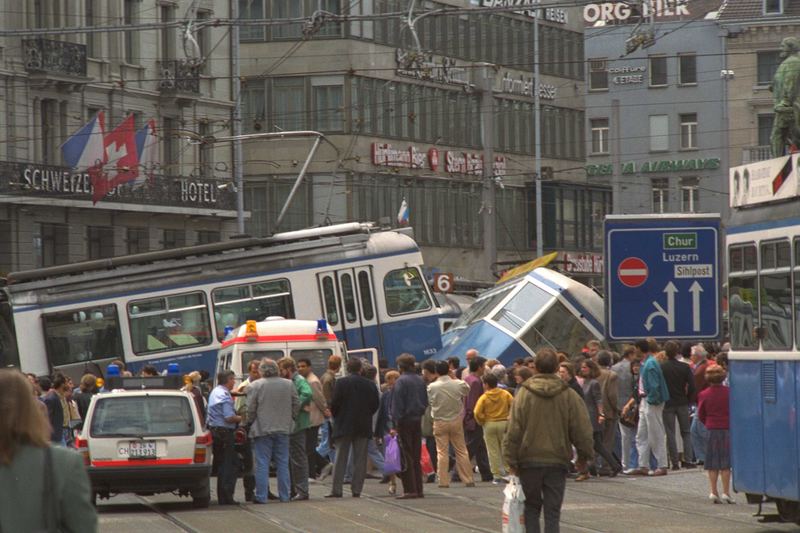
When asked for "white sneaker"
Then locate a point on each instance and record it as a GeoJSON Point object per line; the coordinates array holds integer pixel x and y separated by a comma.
{"type": "Point", "coordinates": [727, 499]}
{"type": "Point", "coordinates": [713, 498]}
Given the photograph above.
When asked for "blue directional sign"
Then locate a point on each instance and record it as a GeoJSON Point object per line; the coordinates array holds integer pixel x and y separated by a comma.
{"type": "Point", "coordinates": [662, 277]}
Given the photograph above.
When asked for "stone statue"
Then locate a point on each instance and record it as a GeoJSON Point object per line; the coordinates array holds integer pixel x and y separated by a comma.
{"type": "Point", "coordinates": [786, 94]}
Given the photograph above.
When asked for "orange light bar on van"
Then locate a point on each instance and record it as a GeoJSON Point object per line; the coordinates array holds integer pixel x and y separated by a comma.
{"type": "Point", "coordinates": [251, 331]}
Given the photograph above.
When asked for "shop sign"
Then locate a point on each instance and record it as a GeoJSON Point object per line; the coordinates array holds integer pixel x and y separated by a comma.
{"type": "Point", "coordinates": [621, 11]}
{"type": "Point", "coordinates": [471, 164]}
{"type": "Point", "coordinates": [550, 14]}
{"type": "Point", "coordinates": [386, 155]}
{"type": "Point", "coordinates": [60, 182]}
{"type": "Point", "coordinates": [583, 263]}
{"type": "Point", "coordinates": [672, 165]}
{"type": "Point", "coordinates": [423, 66]}
{"type": "Point", "coordinates": [627, 75]}
{"type": "Point", "coordinates": [523, 86]}
{"type": "Point", "coordinates": [592, 171]}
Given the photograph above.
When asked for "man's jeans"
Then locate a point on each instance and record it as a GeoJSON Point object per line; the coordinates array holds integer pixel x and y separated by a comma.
{"type": "Point", "coordinates": [628, 442]}
{"type": "Point", "coordinates": [699, 439]}
{"type": "Point", "coordinates": [544, 487]}
{"type": "Point", "coordinates": [650, 435]}
{"type": "Point", "coordinates": [298, 463]}
{"type": "Point", "coordinates": [325, 449]}
{"type": "Point", "coordinates": [682, 413]}
{"type": "Point", "coordinates": [272, 447]}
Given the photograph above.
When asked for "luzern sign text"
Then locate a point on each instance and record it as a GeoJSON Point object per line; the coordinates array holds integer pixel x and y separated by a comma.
{"type": "Point", "coordinates": [529, 7]}
{"type": "Point", "coordinates": [621, 11]}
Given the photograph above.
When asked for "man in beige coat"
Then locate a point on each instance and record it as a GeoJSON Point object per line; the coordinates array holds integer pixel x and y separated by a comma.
{"type": "Point", "coordinates": [318, 411]}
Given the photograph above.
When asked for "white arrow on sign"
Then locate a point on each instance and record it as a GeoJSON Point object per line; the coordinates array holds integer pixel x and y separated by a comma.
{"type": "Point", "coordinates": [695, 289]}
{"type": "Point", "coordinates": [669, 314]}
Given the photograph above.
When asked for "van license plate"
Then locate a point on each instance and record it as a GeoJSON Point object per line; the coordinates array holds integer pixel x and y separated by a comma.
{"type": "Point", "coordinates": [145, 449]}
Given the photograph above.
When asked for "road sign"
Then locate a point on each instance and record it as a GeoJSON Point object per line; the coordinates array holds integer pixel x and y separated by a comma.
{"type": "Point", "coordinates": [662, 277]}
{"type": "Point", "coordinates": [632, 272]}
{"type": "Point", "coordinates": [443, 282]}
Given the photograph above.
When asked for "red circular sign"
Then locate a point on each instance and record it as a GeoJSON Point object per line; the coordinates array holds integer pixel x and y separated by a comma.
{"type": "Point", "coordinates": [632, 272]}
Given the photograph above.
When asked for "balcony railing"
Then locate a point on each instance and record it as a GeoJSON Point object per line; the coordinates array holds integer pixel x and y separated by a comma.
{"type": "Point", "coordinates": [179, 76]}
{"type": "Point", "coordinates": [54, 57]}
{"type": "Point", "coordinates": [751, 154]}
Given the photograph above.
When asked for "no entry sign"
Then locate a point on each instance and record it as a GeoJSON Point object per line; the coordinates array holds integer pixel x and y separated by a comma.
{"type": "Point", "coordinates": [632, 272]}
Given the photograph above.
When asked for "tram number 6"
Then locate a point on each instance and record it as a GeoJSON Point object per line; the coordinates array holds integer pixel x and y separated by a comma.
{"type": "Point", "coordinates": [443, 283]}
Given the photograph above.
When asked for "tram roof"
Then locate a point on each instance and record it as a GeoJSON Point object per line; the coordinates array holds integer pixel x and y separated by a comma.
{"type": "Point", "coordinates": [282, 251]}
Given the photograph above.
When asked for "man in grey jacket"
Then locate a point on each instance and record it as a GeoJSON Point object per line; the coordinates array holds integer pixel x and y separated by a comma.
{"type": "Point", "coordinates": [625, 391]}
{"type": "Point", "coordinates": [272, 406]}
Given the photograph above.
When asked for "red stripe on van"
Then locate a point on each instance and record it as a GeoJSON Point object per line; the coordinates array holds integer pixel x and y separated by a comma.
{"type": "Point", "coordinates": [279, 338]}
{"type": "Point", "coordinates": [143, 462]}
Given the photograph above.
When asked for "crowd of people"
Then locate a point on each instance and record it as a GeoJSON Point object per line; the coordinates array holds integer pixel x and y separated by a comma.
{"type": "Point", "coordinates": [544, 419]}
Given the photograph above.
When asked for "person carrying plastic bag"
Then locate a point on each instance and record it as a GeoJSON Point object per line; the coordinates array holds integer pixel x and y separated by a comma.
{"type": "Point", "coordinates": [513, 507]}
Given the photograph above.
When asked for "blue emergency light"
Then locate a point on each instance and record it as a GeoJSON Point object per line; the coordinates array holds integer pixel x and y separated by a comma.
{"type": "Point", "coordinates": [227, 332]}
{"type": "Point", "coordinates": [322, 327]}
{"type": "Point", "coordinates": [173, 369]}
{"type": "Point", "coordinates": [112, 370]}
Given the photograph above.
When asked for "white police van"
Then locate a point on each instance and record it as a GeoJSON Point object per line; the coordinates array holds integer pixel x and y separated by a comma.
{"type": "Point", "coordinates": [146, 436]}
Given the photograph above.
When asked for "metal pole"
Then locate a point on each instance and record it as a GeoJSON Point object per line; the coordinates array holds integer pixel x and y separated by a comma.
{"type": "Point", "coordinates": [616, 186]}
{"type": "Point", "coordinates": [297, 183]}
{"type": "Point", "coordinates": [238, 162]}
{"type": "Point", "coordinates": [488, 196]}
{"type": "Point", "coordinates": [537, 133]}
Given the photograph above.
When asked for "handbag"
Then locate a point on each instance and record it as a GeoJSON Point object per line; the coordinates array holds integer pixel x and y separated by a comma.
{"type": "Point", "coordinates": [392, 463]}
{"type": "Point", "coordinates": [631, 418]}
{"type": "Point", "coordinates": [425, 461]}
{"type": "Point", "coordinates": [513, 507]}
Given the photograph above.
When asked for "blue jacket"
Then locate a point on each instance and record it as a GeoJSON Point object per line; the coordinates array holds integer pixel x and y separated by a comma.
{"type": "Point", "coordinates": [655, 386]}
{"type": "Point", "coordinates": [409, 398]}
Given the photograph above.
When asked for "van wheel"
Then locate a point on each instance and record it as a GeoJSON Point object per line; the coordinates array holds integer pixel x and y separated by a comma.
{"type": "Point", "coordinates": [201, 496]}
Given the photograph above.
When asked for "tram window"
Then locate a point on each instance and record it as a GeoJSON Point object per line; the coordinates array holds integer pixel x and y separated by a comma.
{"type": "Point", "coordinates": [365, 288]}
{"type": "Point", "coordinates": [234, 306]}
{"type": "Point", "coordinates": [768, 255]}
{"type": "Point", "coordinates": [736, 259]}
{"type": "Point", "coordinates": [405, 292]}
{"type": "Point", "coordinates": [783, 253]}
{"type": "Point", "coordinates": [521, 307]}
{"type": "Point", "coordinates": [348, 298]}
{"type": "Point", "coordinates": [750, 261]}
{"type": "Point", "coordinates": [558, 329]}
{"type": "Point", "coordinates": [329, 296]}
{"type": "Point", "coordinates": [169, 323]}
{"type": "Point", "coordinates": [742, 305]}
{"type": "Point", "coordinates": [776, 311]}
{"type": "Point", "coordinates": [84, 334]}
{"type": "Point", "coordinates": [482, 307]}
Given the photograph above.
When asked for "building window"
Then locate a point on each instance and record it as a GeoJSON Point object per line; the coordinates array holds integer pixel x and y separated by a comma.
{"type": "Point", "coordinates": [765, 123]}
{"type": "Point", "coordinates": [767, 65]}
{"type": "Point", "coordinates": [330, 29]}
{"type": "Point", "coordinates": [168, 36]}
{"type": "Point", "coordinates": [172, 153]}
{"type": "Point", "coordinates": [207, 236]}
{"type": "Point", "coordinates": [328, 111]}
{"type": "Point", "coordinates": [90, 21]}
{"type": "Point", "coordinates": [690, 195]}
{"type": "Point", "coordinates": [251, 10]}
{"type": "Point", "coordinates": [51, 245]}
{"type": "Point", "coordinates": [598, 75]}
{"type": "Point", "coordinates": [688, 131]}
{"type": "Point", "coordinates": [204, 41]}
{"type": "Point", "coordinates": [659, 133]}
{"type": "Point", "coordinates": [287, 9]}
{"type": "Point", "coordinates": [100, 240]}
{"type": "Point", "coordinates": [254, 102]}
{"type": "Point", "coordinates": [137, 240]}
{"type": "Point", "coordinates": [660, 195]}
{"type": "Point", "coordinates": [773, 7]}
{"type": "Point", "coordinates": [205, 152]}
{"type": "Point", "coordinates": [173, 238]}
{"type": "Point", "coordinates": [363, 29]}
{"type": "Point", "coordinates": [49, 121]}
{"type": "Point", "coordinates": [658, 71]}
{"type": "Point", "coordinates": [688, 69]}
{"type": "Point", "coordinates": [288, 103]}
{"type": "Point", "coordinates": [599, 135]}
{"type": "Point", "coordinates": [131, 37]}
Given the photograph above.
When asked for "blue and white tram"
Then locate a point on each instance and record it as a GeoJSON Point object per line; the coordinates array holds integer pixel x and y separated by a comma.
{"type": "Point", "coordinates": [175, 305]}
{"type": "Point", "coordinates": [541, 309]}
{"type": "Point", "coordinates": [763, 254]}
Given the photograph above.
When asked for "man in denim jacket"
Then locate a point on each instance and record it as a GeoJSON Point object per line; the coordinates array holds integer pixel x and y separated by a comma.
{"type": "Point", "coordinates": [653, 393]}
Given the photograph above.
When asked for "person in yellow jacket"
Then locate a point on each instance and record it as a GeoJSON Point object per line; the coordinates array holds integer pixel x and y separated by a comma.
{"type": "Point", "coordinates": [491, 412]}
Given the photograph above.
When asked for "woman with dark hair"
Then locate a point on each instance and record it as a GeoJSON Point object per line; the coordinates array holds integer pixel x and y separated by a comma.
{"type": "Point", "coordinates": [593, 397]}
{"type": "Point", "coordinates": [45, 488]}
{"type": "Point", "coordinates": [566, 371]}
{"type": "Point", "coordinates": [714, 412]}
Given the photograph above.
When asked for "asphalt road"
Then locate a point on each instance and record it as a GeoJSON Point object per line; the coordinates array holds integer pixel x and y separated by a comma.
{"type": "Point", "coordinates": [675, 503]}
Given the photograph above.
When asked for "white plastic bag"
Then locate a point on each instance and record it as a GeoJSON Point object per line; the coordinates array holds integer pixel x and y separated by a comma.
{"type": "Point", "coordinates": [513, 507]}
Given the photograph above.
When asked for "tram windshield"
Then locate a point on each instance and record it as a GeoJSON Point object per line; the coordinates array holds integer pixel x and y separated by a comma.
{"type": "Point", "coordinates": [482, 307]}
{"type": "Point", "coordinates": [557, 328]}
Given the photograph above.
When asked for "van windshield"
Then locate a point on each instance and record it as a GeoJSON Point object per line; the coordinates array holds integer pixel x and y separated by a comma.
{"type": "Point", "coordinates": [142, 416]}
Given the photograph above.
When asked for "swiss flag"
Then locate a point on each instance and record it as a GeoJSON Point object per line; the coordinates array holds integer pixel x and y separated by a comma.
{"type": "Point", "coordinates": [122, 160]}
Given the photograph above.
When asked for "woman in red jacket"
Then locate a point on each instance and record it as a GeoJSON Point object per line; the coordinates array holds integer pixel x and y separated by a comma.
{"type": "Point", "coordinates": [714, 412]}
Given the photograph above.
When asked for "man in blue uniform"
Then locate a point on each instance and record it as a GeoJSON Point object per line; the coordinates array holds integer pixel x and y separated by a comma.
{"type": "Point", "coordinates": [222, 420]}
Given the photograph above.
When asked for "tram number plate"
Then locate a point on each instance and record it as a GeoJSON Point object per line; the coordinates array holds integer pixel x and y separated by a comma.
{"type": "Point", "coordinates": [145, 449]}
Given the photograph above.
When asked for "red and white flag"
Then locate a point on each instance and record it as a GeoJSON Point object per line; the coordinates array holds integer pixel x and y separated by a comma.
{"type": "Point", "coordinates": [121, 163]}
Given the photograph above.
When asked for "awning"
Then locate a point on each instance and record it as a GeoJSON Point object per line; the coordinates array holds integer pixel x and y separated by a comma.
{"type": "Point", "coordinates": [524, 268]}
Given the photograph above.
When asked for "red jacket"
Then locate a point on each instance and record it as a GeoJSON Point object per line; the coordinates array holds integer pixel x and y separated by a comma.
{"type": "Point", "coordinates": [713, 408]}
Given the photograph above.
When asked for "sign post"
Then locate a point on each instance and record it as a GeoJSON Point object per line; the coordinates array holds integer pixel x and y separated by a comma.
{"type": "Point", "coordinates": [662, 277]}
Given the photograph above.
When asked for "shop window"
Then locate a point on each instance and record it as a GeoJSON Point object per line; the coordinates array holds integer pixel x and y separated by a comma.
{"type": "Point", "coordinates": [600, 130]}
{"type": "Point", "coordinates": [688, 131]}
{"type": "Point", "coordinates": [658, 71]}
{"type": "Point", "coordinates": [598, 75]}
{"type": "Point", "coordinates": [660, 191]}
{"type": "Point", "coordinates": [690, 195]}
{"type": "Point", "coordinates": [688, 69]}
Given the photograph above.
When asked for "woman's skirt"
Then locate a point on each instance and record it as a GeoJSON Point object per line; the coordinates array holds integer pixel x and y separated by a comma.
{"type": "Point", "coordinates": [718, 450]}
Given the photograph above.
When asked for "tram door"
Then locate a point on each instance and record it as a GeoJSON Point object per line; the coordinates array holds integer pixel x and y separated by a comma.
{"type": "Point", "coordinates": [348, 299]}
